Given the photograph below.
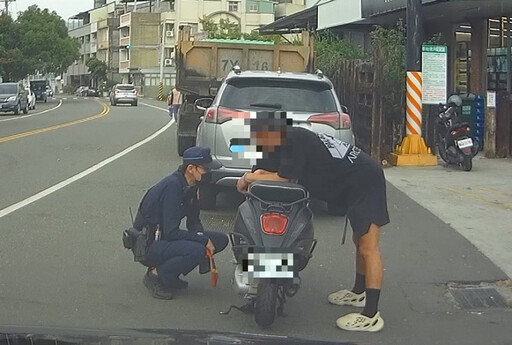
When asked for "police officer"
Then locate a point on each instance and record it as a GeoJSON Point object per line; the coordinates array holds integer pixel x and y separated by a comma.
{"type": "Point", "coordinates": [174, 251]}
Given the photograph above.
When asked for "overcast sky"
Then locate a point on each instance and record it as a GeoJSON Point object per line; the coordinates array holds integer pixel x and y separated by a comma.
{"type": "Point", "coordinates": [64, 8]}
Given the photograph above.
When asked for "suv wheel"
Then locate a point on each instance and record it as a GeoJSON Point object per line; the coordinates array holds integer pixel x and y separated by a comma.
{"type": "Point", "coordinates": [208, 197]}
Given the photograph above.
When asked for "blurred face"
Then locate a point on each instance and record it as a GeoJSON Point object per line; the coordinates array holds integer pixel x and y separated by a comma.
{"type": "Point", "coordinates": [269, 139]}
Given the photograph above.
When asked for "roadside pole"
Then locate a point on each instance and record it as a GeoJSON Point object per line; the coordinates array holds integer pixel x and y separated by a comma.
{"type": "Point", "coordinates": [413, 151]}
{"type": "Point", "coordinates": [162, 56]}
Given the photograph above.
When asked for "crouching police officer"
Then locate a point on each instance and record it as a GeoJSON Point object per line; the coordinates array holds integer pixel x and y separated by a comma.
{"type": "Point", "coordinates": [175, 252]}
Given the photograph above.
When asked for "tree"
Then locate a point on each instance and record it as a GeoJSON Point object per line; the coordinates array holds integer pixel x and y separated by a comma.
{"type": "Point", "coordinates": [45, 41]}
{"type": "Point", "coordinates": [98, 69]}
{"type": "Point", "coordinates": [331, 51]}
{"type": "Point", "coordinates": [13, 64]}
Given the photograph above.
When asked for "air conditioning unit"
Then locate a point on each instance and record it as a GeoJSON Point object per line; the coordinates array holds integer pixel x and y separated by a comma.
{"type": "Point", "coordinates": [168, 62]}
{"type": "Point", "coordinates": [169, 33]}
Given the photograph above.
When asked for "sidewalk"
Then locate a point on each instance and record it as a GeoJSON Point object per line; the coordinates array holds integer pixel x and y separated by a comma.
{"type": "Point", "coordinates": [477, 204]}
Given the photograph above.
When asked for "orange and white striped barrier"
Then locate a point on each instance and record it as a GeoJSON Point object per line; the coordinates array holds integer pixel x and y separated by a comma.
{"type": "Point", "coordinates": [413, 103]}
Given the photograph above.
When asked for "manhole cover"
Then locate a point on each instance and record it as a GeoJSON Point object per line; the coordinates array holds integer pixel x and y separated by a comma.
{"type": "Point", "coordinates": [477, 297]}
{"type": "Point", "coordinates": [216, 222]}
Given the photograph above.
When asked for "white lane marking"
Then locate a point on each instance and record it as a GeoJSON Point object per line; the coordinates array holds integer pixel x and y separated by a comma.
{"type": "Point", "coordinates": [4, 212]}
{"type": "Point", "coordinates": [39, 113]}
{"type": "Point", "coordinates": [154, 106]}
{"type": "Point", "coordinates": [65, 98]}
{"type": "Point", "coordinates": [75, 98]}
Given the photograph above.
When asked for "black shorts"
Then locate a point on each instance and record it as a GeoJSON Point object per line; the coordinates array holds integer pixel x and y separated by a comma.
{"type": "Point", "coordinates": [366, 199]}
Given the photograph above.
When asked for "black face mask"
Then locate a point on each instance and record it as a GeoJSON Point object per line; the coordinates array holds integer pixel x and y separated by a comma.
{"type": "Point", "coordinates": [206, 178]}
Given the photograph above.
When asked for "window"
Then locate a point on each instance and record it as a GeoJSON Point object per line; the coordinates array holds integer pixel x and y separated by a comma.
{"type": "Point", "coordinates": [169, 26]}
{"type": "Point", "coordinates": [233, 6]}
{"type": "Point", "coordinates": [168, 53]}
{"type": "Point", "coordinates": [288, 95]}
{"type": "Point", "coordinates": [253, 8]}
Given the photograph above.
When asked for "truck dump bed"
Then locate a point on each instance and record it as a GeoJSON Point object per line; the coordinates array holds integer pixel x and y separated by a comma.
{"type": "Point", "coordinates": [202, 64]}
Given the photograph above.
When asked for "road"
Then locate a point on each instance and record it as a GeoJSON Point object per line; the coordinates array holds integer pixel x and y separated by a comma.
{"type": "Point", "coordinates": [68, 177]}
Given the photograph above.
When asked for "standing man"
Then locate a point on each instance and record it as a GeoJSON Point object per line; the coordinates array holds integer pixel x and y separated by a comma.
{"type": "Point", "coordinates": [175, 252]}
{"type": "Point", "coordinates": [332, 171]}
{"type": "Point", "coordinates": [174, 100]}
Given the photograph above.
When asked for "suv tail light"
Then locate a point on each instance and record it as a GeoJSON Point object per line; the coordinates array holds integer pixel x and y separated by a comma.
{"type": "Point", "coordinates": [274, 223]}
{"type": "Point", "coordinates": [220, 115]}
{"type": "Point", "coordinates": [335, 120]}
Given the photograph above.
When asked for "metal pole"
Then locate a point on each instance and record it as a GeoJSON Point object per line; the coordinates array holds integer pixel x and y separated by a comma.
{"type": "Point", "coordinates": [162, 56]}
{"type": "Point", "coordinates": [414, 35]}
{"type": "Point", "coordinates": [414, 77]}
{"type": "Point", "coordinates": [135, 6]}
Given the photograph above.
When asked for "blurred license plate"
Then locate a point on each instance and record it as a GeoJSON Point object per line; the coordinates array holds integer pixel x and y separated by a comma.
{"type": "Point", "coordinates": [269, 265]}
{"type": "Point", "coordinates": [465, 143]}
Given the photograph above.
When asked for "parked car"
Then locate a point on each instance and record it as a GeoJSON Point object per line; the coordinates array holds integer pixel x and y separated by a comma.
{"type": "Point", "coordinates": [13, 97]}
{"type": "Point", "coordinates": [310, 99]}
{"type": "Point", "coordinates": [81, 91]}
{"type": "Point", "coordinates": [124, 93]}
{"type": "Point", "coordinates": [31, 98]}
{"type": "Point", "coordinates": [90, 92]}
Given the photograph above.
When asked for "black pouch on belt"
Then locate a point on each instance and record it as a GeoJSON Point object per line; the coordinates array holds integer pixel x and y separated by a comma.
{"type": "Point", "coordinates": [138, 241]}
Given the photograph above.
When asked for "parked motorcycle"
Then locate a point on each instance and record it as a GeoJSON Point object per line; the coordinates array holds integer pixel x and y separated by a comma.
{"type": "Point", "coordinates": [272, 242]}
{"type": "Point", "coordinates": [454, 139]}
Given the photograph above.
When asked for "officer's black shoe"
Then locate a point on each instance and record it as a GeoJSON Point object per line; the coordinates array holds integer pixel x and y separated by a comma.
{"type": "Point", "coordinates": [204, 266]}
{"type": "Point", "coordinates": [178, 284]}
{"type": "Point", "coordinates": [153, 283]}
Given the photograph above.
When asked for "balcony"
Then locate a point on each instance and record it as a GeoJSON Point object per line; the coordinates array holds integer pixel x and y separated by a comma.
{"type": "Point", "coordinates": [125, 20]}
{"type": "Point", "coordinates": [123, 41]}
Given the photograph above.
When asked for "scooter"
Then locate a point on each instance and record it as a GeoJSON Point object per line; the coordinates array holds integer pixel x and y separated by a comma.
{"type": "Point", "coordinates": [455, 143]}
{"type": "Point", "coordinates": [272, 242]}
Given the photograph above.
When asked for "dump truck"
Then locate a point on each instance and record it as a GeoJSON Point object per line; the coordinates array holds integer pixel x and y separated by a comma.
{"type": "Point", "coordinates": [202, 64]}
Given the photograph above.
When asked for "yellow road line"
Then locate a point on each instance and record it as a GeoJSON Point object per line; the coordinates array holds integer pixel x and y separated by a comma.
{"type": "Point", "coordinates": [478, 197]}
{"type": "Point", "coordinates": [492, 190]}
{"type": "Point", "coordinates": [104, 112]}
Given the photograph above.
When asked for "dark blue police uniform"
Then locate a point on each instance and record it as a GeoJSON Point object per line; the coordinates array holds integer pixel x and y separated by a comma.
{"type": "Point", "coordinates": [178, 251]}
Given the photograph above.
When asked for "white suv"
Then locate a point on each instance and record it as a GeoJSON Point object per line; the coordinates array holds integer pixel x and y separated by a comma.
{"type": "Point", "coordinates": [310, 98]}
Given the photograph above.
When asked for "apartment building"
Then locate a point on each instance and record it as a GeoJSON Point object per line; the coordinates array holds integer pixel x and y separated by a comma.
{"type": "Point", "coordinates": [137, 39]}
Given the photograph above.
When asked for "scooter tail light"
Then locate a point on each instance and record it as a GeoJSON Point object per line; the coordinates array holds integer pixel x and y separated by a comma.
{"type": "Point", "coordinates": [274, 223]}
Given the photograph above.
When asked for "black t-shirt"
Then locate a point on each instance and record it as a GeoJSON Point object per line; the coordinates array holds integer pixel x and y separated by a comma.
{"type": "Point", "coordinates": [327, 167]}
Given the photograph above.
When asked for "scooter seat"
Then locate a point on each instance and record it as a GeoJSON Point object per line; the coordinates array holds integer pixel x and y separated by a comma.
{"type": "Point", "coordinates": [274, 191]}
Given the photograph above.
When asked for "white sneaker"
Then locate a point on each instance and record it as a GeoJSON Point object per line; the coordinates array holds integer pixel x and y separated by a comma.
{"type": "Point", "coordinates": [347, 297]}
{"type": "Point", "coordinates": [358, 322]}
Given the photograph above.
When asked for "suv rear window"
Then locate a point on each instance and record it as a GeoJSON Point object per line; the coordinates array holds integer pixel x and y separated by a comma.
{"type": "Point", "coordinates": [279, 94]}
{"type": "Point", "coordinates": [125, 87]}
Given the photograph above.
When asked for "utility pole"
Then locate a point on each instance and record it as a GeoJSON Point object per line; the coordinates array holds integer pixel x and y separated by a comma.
{"type": "Point", "coordinates": [413, 151]}
{"type": "Point", "coordinates": [7, 2]}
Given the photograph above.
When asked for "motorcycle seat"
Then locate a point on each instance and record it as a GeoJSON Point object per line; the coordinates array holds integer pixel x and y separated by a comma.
{"type": "Point", "coordinates": [274, 191]}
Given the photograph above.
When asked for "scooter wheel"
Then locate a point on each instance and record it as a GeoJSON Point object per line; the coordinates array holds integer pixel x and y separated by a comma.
{"type": "Point", "coordinates": [265, 303]}
{"type": "Point", "coordinates": [467, 163]}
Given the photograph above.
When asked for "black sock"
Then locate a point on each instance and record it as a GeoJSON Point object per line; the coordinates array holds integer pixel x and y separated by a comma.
{"type": "Point", "coordinates": [372, 302]}
{"type": "Point", "coordinates": [359, 285]}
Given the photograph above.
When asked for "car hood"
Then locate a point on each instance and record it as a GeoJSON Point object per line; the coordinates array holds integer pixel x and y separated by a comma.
{"type": "Point", "coordinates": [69, 336]}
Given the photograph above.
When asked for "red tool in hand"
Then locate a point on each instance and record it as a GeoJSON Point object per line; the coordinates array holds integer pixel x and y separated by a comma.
{"type": "Point", "coordinates": [213, 268]}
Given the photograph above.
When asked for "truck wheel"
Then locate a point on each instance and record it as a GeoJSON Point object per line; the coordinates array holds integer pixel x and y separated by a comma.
{"type": "Point", "coordinates": [266, 303]}
{"type": "Point", "coordinates": [208, 197]}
